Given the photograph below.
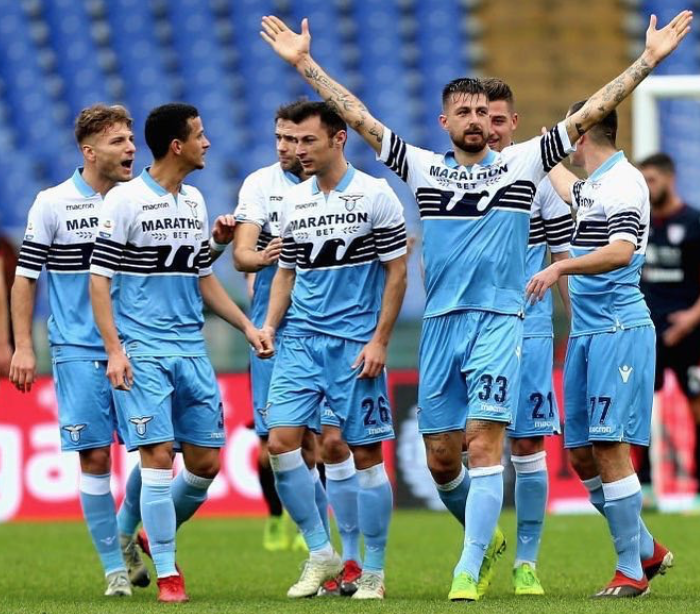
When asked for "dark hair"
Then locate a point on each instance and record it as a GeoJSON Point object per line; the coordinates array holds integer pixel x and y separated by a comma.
{"type": "Point", "coordinates": [463, 85]}
{"type": "Point", "coordinates": [605, 131]}
{"type": "Point", "coordinates": [99, 117]}
{"type": "Point", "coordinates": [300, 110]}
{"type": "Point", "coordinates": [497, 89]}
{"type": "Point", "coordinates": [660, 160]}
{"type": "Point", "coordinates": [166, 123]}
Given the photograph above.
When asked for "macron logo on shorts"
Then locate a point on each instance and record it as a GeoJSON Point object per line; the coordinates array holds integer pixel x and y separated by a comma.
{"type": "Point", "coordinates": [625, 373]}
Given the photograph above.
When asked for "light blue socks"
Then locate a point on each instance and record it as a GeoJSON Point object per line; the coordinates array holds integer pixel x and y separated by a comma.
{"type": "Point", "coordinates": [375, 501]}
{"type": "Point", "coordinates": [342, 487]}
{"type": "Point", "coordinates": [158, 514]}
{"type": "Point", "coordinates": [531, 488]}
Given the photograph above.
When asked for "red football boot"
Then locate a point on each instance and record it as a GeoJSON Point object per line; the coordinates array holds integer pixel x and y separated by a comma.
{"type": "Point", "coordinates": [623, 587]}
{"type": "Point", "coordinates": [659, 562]}
{"type": "Point", "coordinates": [142, 541]}
{"type": "Point", "coordinates": [171, 589]}
{"type": "Point", "coordinates": [344, 585]}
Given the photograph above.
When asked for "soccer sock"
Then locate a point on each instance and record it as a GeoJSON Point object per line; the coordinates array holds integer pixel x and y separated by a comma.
{"type": "Point", "coordinates": [321, 499]}
{"type": "Point", "coordinates": [454, 494]}
{"type": "Point", "coordinates": [297, 492]}
{"type": "Point", "coordinates": [623, 508]}
{"type": "Point", "coordinates": [342, 488]}
{"type": "Point", "coordinates": [101, 519]}
{"type": "Point", "coordinates": [375, 501]}
{"type": "Point", "coordinates": [595, 490]}
{"type": "Point", "coordinates": [530, 504]}
{"type": "Point", "coordinates": [189, 492]}
{"type": "Point", "coordinates": [129, 514]}
{"type": "Point", "coordinates": [158, 513]}
{"type": "Point", "coordinates": [481, 516]}
{"type": "Point", "coordinates": [267, 484]}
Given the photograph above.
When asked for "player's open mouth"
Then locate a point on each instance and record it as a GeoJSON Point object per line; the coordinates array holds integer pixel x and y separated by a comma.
{"type": "Point", "coordinates": [128, 164]}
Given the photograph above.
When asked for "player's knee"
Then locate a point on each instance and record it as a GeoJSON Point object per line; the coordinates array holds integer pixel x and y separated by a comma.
{"type": "Point", "coordinates": [158, 456]}
{"type": "Point", "coordinates": [484, 451]}
{"type": "Point", "coordinates": [583, 462]}
{"type": "Point", "coordinates": [527, 446]}
{"type": "Point", "coordinates": [613, 460]}
{"type": "Point", "coordinates": [367, 456]}
{"type": "Point", "coordinates": [278, 444]}
{"type": "Point", "coordinates": [206, 467]}
{"type": "Point", "coordinates": [444, 466]}
{"type": "Point", "coordinates": [333, 449]}
{"type": "Point", "coordinates": [96, 461]}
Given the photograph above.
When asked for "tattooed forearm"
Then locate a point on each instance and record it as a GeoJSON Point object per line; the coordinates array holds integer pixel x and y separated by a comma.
{"type": "Point", "coordinates": [343, 102]}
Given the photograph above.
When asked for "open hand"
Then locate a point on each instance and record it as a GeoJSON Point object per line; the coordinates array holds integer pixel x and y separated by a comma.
{"type": "Point", "coordinates": [660, 43]}
{"type": "Point", "coordinates": [541, 282]}
{"type": "Point", "coordinates": [289, 45]}
{"type": "Point", "coordinates": [271, 253]}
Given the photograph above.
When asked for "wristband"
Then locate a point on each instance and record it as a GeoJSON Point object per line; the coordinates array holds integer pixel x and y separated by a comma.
{"type": "Point", "coordinates": [217, 247]}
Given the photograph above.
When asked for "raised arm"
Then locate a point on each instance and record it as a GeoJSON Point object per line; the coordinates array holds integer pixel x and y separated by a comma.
{"type": "Point", "coordinates": [296, 49]}
{"type": "Point", "coordinates": [659, 44]}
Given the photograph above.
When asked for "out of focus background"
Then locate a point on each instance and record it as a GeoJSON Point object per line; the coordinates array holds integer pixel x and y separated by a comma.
{"type": "Point", "coordinates": [58, 56]}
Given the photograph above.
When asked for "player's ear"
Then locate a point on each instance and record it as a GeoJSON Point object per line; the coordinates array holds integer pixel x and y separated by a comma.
{"type": "Point", "coordinates": [442, 120]}
{"type": "Point", "coordinates": [88, 152]}
{"type": "Point", "coordinates": [516, 118]}
{"type": "Point", "coordinates": [176, 146]}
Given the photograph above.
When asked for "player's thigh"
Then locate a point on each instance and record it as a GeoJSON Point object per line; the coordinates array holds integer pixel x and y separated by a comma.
{"type": "Point", "coordinates": [360, 405]}
{"type": "Point", "coordinates": [295, 394]}
{"type": "Point", "coordinates": [684, 359]}
{"type": "Point", "coordinates": [86, 413]}
{"type": "Point", "coordinates": [146, 409]}
{"type": "Point", "coordinates": [442, 389]}
{"type": "Point", "coordinates": [198, 413]}
{"type": "Point", "coordinates": [537, 412]}
{"type": "Point", "coordinates": [492, 368]}
{"type": "Point", "coordinates": [260, 378]}
{"type": "Point", "coordinates": [621, 385]}
{"type": "Point", "coordinates": [576, 392]}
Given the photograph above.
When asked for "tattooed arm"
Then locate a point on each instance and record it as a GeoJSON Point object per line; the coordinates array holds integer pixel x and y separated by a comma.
{"type": "Point", "coordinates": [659, 44]}
{"type": "Point", "coordinates": [296, 49]}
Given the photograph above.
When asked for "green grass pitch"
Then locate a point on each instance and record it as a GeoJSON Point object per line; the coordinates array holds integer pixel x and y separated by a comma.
{"type": "Point", "coordinates": [52, 569]}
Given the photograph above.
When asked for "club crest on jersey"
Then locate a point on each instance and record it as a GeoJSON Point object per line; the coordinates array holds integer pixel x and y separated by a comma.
{"type": "Point", "coordinates": [351, 201]}
{"type": "Point", "coordinates": [140, 424]}
{"type": "Point", "coordinates": [192, 204]}
{"type": "Point", "coordinates": [676, 233]}
{"type": "Point", "coordinates": [106, 230]}
{"type": "Point", "coordinates": [74, 431]}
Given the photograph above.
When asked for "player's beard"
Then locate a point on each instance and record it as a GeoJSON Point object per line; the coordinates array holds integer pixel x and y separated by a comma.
{"type": "Point", "coordinates": [660, 200]}
{"type": "Point", "coordinates": [470, 147]}
{"type": "Point", "coordinates": [293, 167]}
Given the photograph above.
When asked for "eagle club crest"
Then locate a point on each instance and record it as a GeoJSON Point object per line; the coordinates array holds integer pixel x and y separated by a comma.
{"type": "Point", "coordinates": [351, 201]}
{"type": "Point", "coordinates": [192, 204]}
{"type": "Point", "coordinates": [140, 424]}
{"type": "Point", "coordinates": [74, 431]}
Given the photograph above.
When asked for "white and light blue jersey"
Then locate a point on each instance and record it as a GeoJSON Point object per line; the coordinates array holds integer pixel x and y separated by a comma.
{"type": "Point", "coordinates": [476, 219]}
{"type": "Point", "coordinates": [337, 244]}
{"type": "Point", "coordinates": [259, 203]}
{"type": "Point", "coordinates": [551, 226]}
{"type": "Point", "coordinates": [157, 243]}
{"type": "Point", "coordinates": [60, 236]}
{"type": "Point", "coordinates": [613, 205]}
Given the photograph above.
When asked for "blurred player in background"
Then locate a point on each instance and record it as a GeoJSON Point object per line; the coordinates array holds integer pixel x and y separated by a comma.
{"type": "Point", "coordinates": [474, 254]}
{"type": "Point", "coordinates": [60, 235]}
{"type": "Point", "coordinates": [153, 232]}
{"type": "Point", "coordinates": [609, 371]}
{"type": "Point", "coordinates": [671, 286]}
{"type": "Point", "coordinates": [257, 250]}
{"type": "Point", "coordinates": [537, 415]}
{"type": "Point", "coordinates": [340, 283]}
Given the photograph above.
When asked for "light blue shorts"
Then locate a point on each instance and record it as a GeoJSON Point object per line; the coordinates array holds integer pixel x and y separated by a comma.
{"type": "Point", "coordinates": [174, 398]}
{"type": "Point", "coordinates": [86, 413]}
{"type": "Point", "coordinates": [469, 366]}
{"type": "Point", "coordinates": [309, 369]}
{"type": "Point", "coordinates": [609, 387]}
{"type": "Point", "coordinates": [260, 378]}
{"type": "Point", "coordinates": [538, 412]}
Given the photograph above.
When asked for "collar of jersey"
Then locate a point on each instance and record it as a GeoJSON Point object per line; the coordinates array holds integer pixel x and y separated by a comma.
{"type": "Point", "coordinates": [607, 165]}
{"type": "Point", "coordinates": [342, 184]}
{"type": "Point", "coordinates": [451, 161]}
{"type": "Point", "coordinates": [292, 177]}
{"type": "Point", "coordinates": [81, 185]}
{"type": "Point", "coordinates": [154, 185]}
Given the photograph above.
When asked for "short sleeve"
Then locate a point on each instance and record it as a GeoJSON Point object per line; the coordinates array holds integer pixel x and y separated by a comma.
{"type": "Point", "coordinates": [541, 154]}
{"type": "Point", "coordinates": [388, 224]}
{"type": "Point", "coordinates": [623, 213]}
{"type": "Point", "coordinates": [404, 159]}
{"type": "Point", "coordinates": [252, 203]}
{"type": "Point", "coordinates": [288, 255]}
{"type": "Point", "coordinates": [204, 261]}
{"type": "Point", "coordinates": [38, 237]}
{"type": "Point", "coordinates": [556, 217]}
{"type": "Point", "coordinates": [113, 233]}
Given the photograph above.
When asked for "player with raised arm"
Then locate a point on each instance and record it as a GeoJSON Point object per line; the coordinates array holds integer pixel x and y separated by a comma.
{"type": "Point", "coordinates": [257, 249]}
{"type": "Point", "coordinates": [340, 284]}
{"type": "Point", "coordinates": [153, 234]}
{"type": "Point", "coordinates": [609, 371]}
{"type": "Point", "coordinates": [60, 236]}
{"type": "Point", "coordinates": [475, 206]}
{"type": "Point", "coordinates": [537, 414]}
